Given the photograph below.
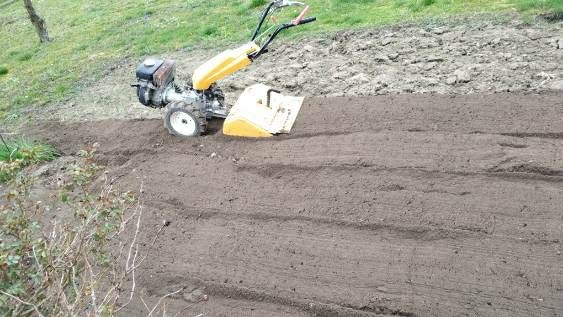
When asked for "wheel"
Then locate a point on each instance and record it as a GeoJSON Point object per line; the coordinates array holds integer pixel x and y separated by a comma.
{"type": "Point", "coordinates": [184, 119]}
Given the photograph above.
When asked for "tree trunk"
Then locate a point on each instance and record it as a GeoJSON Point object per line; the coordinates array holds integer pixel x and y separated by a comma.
{"type": "Point", "coordinates": [37, 21]}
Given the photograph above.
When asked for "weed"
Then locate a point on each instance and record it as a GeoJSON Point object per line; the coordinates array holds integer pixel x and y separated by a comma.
{"type": "Point", "coordinates": [256, 3]}
{"type": "Point", "coordinates": [24, 57]}
{"type": "Point", "coordinates": [15, 155]}
{"type": "Point", "coordinates": [210, 30]}
{"type": "Point", "coordinates": [21, 55]}
{"type": "Point", "coordinates": [3, 70]}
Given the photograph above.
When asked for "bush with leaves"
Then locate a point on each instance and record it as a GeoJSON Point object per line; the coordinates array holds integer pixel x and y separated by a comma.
{"type": "Point", "coordinates": [78, 262]}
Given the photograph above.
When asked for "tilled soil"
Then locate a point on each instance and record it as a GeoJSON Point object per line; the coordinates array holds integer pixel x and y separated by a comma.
{"type": "Point", "coordinates": [469, 54]}
{"type": "Point", "coordinates": [408, 205]}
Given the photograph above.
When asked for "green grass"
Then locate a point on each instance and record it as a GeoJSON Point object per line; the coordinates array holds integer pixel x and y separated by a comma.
{"type": "Point", "coordinates": [415, 5]}
{"type": "Point", "coordinates": [90, 36]}
{"type": "Point", "coordinates": [29, 151]}
{"type": "Point", "coordinates": [257, 3]}
{"type": "Point", "coordinates": [554, 6]}
{"type": "Point", "coordinates": [15, 155]}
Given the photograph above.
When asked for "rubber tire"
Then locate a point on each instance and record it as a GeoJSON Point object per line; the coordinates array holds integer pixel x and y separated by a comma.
{"type": "Point", "coordinates": [190, 109]}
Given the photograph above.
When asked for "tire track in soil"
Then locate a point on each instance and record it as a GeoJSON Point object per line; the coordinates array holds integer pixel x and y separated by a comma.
{"type": "Point", "coordinates": [311, 307]}
{"type": "Point", "coordinates": [319, 262]}
{"type": "Point", "coordinates": [388, 205]}
{"type": "Point", "coordinates": [404, 232]}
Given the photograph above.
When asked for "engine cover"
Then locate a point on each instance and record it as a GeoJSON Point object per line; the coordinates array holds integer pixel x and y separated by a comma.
{"type": "Point", "coordinates": [155, 77]}
{"type": "Point", "coordinates": [146, 70]}
{"type": "Point", "coordinates": [165, 74]}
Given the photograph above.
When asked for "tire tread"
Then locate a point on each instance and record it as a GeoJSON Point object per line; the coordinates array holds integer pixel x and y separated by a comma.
{"type": "Point", "coordinates": [185, 106]}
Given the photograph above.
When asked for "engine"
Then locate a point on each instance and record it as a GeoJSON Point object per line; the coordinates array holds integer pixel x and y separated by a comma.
{"type": "Point", "coordinates": [156, 87]}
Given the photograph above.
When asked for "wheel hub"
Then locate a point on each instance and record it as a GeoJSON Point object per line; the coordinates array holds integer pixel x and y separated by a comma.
{"type": "Point", "coordinates": [183, 123]}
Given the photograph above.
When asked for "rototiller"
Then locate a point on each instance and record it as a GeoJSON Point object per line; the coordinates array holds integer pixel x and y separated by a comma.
{"type": "Point", "coordinates": [260, 111]}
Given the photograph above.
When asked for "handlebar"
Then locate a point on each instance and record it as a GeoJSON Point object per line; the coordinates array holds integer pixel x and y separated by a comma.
{"type": "Point", "coordinates": [307, 20]}
{"type": "Point", "coordinates": [300, 20]}
{"type": "Point", "coordinates": [264, 16]}
{"type": "Point", "coordinates": [300, 17]}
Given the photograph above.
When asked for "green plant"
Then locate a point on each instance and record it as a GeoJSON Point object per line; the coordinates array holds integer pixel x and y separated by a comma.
{"type": "Point", "coordinates": [72, 265]}
{"type": "Point", "coordinates": [210, 30]}
{"type": "Point", "coordinates": [3, 70]}
{"type": "Point", "coordinates": [24, 57]}
{"type": "Point", "coordinates": [256, 3]}
{"type": "Point", "coordinates": [15, 155]}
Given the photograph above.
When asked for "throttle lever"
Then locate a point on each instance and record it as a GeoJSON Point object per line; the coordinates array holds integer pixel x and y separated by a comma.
{"type": "Point", "coordinates": [297, 20]}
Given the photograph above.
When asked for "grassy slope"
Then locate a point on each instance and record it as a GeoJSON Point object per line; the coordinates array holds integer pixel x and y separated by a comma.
{"type": "Point", "coordinates": [91, 35]}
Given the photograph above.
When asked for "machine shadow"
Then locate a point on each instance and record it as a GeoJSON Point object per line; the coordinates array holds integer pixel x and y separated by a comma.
{"type": "Point", "coordinates": [214, 126]}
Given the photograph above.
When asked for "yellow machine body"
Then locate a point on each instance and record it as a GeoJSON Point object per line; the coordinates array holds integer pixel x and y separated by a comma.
{"type": "Point", "coordinates": [223, 65]}
{"type": "Point", "coordinates": [261, 112]}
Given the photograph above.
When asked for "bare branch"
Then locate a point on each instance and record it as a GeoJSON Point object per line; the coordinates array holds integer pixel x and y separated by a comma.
{"type": "Point", "coordinates": [92, 283]}
{"type": "Point", "coordinates": [161, 299]}
{"type": "Point", "coordinates": [130, 267]}
{"type": "Point", "coordinates": [23, 302]}
{"type": "Point", "coordinates": [66, 260]}
{"type": "Point", "coordinates": [143, 301]}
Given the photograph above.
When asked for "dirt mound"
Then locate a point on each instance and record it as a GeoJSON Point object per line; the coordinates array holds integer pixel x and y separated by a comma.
{"type": "Point", "coordinates": [408, 205]}
{"type": "Point", "coordinates": [479, 54]}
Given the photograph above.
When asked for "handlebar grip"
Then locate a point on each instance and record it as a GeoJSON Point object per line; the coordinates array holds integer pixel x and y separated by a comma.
{"type": "Point", "coordinates": [308, 20]}
{"type": "Point", "coordinates": [298, 20]}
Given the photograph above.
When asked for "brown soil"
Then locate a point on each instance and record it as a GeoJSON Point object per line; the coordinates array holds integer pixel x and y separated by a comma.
{"type": "Point", "coordinates": [458, 55]}
{"type": "Point", "coordinates": [409, 205]}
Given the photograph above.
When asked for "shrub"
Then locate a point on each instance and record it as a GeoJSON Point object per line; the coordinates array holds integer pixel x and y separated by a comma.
{"type": "Point", "coordinates": [74, 264]}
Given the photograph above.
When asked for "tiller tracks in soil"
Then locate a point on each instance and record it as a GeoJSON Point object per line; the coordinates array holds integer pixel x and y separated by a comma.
{"type": "Point", "coordinates": [405, 205]}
